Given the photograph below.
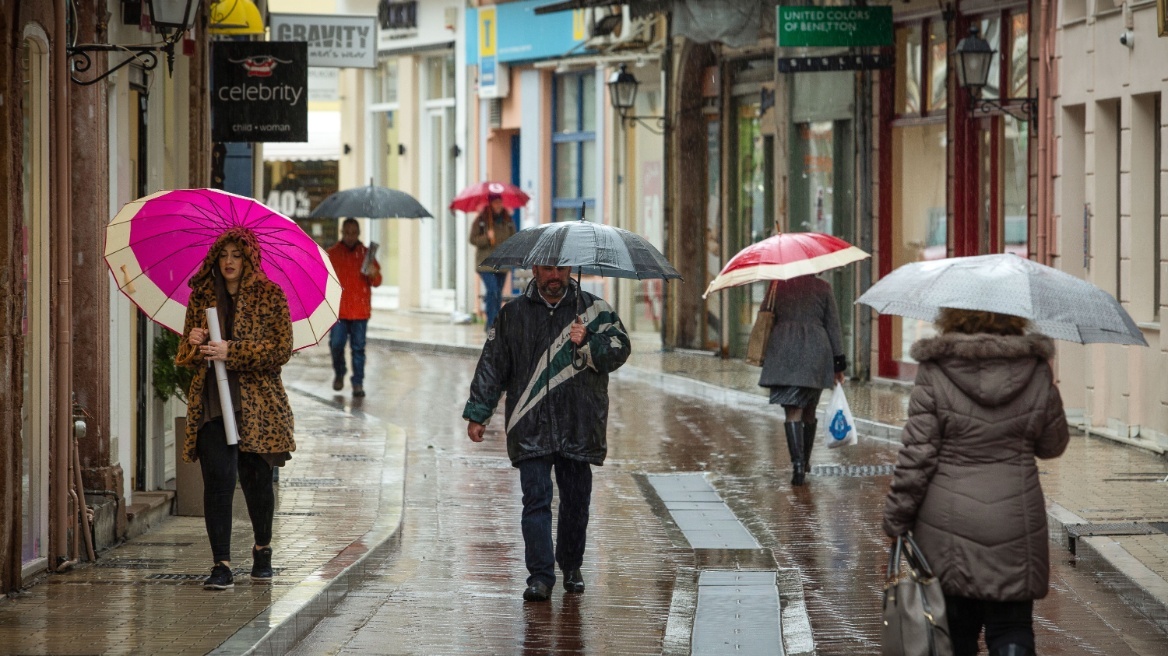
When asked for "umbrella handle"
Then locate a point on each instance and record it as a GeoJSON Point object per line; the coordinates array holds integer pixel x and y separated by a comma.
{"type": "Point", "coordinates": [578, 361]}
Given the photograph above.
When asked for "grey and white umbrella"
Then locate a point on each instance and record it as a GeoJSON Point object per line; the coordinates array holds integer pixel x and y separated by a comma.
{"type": "Point", "coordinates": [589, 248]}
{"type": "Point", "coordinates": [1058, 304]}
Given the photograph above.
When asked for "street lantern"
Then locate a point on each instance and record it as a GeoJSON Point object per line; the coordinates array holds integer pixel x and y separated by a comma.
{"type": "Point", "coordinates": [622, 90]}
{"type": "Point", "coordinates": [974, 57]}
{"type": "Point", "coordinates": [172, 15]}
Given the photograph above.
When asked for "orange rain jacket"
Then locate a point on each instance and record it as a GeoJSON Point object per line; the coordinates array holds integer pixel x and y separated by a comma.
{"type": "Point", "coordinates": [355, 286]}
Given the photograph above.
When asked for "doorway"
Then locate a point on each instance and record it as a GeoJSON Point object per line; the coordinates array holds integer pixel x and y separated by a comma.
{"type": "Point", "coordinates": [440, 243]}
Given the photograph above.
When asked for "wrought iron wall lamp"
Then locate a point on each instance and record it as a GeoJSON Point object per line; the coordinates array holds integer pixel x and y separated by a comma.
{"type": "Point", "coordinates": [170, 17]}
{"type": "Point", "coordinates": [622, 92]}
{"type": "Point", "coordinates": [973, 57]}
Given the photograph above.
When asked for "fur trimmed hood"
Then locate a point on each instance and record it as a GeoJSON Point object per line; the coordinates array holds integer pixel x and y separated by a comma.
{"type": "Point", "coordinates": [991, 369]}
{"type": "Point", "coordinates": [248, 243]}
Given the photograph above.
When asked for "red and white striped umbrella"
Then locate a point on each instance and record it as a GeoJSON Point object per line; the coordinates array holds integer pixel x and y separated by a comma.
{"type": "Point", "coordinates": [784, 256]}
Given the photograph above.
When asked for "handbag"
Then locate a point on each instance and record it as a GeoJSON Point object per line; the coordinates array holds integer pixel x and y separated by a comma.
{"type": "Point", "coordinates": [914, 606]}
{"type": "Point", "coordinates": [761, 332]}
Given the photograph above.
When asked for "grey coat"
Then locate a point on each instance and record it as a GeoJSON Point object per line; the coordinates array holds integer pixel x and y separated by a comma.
{"type": "Point", "coordinates": [966, 483]}
{"type": "Point", "coordinates": [805, 348]}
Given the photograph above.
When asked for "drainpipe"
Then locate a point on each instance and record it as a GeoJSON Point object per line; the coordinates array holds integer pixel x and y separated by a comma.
{"type": "Point", "coordinates": [62, 238]}
{"type": "Point", "coordinates": [1044, 249]}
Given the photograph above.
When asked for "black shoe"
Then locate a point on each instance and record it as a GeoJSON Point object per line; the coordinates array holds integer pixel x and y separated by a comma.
{"type": "Point", "coordinates": [794, 430]}
{"type": "Point", "coordinates": [537, 591]}
{"type": "Point", "coordinates": [573, 581]}
{"type": "Point", "coordinates": [808, 443]}
{"type": "Point", "coordinates": [358, 391]}
{"type": "Point", "coordinates": [220, 578]}
{"type": "Point", "coordinates": [261, 564]}
{"type": "Point", "coordinates": [338, 383]}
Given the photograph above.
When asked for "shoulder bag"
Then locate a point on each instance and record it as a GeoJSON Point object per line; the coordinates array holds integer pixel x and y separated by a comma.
{"type": "Point", "coordinates": [914, 605]}
{"type": "Point", "coordinates": [761, 332]}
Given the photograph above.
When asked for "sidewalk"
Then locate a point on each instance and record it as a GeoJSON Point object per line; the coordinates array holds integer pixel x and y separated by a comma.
{"type": "Point", "coordinates": [1108, 502]}
{"type": "Point", "coordinates": [339, 501]}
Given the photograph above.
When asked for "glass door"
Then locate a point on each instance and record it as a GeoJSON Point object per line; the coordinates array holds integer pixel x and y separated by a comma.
{"type": "Point", "coordinates": [440, 244]}
{"type": "Point", "coordinates": [751, 213]}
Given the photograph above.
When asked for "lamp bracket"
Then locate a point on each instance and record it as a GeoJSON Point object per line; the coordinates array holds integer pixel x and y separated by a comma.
{"type": "Point", "coordinates": [1023, 109]}
{"type": "Point", "coordinates": [146, 56]}
{"type": "Point", "coordinates": [647, 121]}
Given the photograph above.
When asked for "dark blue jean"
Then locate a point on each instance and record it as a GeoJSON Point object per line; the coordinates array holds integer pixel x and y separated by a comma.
{"type": "Point", "coordinates": [493, 294]}
{"type": "Point", "coordinates": [353, 331]}
{"type": "Point", "coordinates": [574, 480]}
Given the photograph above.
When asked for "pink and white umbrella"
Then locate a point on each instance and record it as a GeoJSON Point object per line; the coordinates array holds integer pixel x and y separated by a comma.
{"type": "Point", "coordinates": [156, 243]}
{"type": "Point", "coordinates": [784, 256]}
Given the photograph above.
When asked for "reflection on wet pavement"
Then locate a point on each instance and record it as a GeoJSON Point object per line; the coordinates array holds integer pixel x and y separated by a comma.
{"type": "Point", "coordinates": [454, 585]}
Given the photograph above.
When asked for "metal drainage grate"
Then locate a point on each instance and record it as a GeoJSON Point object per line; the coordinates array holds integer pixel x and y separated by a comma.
{"type": "Point", "coordinates": [1159, 526]}
{"type": "Point", "coordinates": [853, 471]}
{"type": "Point", "coordinates": [160, 544]}
{"type": "Point", "coordinates": [291, 513]}
{"type": "Point", "coordinates": [136, 563]}
{"type": "Point", "coordinates": [311, 482]}
{"type": "Point", "coordinates": [1076, 531]}
{"type": "Point", "coordinates": [351, 457]}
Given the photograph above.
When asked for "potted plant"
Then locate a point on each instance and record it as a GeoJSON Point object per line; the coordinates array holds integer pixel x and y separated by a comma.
{"type": "Point", "coordinates": [173, 381]}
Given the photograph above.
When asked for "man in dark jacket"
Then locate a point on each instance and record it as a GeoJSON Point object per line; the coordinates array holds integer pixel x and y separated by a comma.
{"type": "Point", "coordinates": [551, 351]}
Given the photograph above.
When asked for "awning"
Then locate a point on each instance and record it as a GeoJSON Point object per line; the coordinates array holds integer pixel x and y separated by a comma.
{"type": "Point", "coordinates": [324, 141]}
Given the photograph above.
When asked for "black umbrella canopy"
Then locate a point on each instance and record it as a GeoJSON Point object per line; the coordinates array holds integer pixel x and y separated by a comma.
{"type": "Point", "coordinates": [590, 248]}
{"type": "Point", "coordinates": [370, 202]}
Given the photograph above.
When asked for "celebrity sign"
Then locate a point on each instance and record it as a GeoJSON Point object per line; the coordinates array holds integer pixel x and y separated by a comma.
{"type": "Point", "coordinates": [259, 91]}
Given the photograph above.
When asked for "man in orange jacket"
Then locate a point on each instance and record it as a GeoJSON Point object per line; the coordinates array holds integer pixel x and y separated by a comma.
{"type": "Point", "coordinates": [348, 257]}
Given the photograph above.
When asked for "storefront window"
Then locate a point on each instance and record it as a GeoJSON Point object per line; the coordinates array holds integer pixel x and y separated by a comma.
{"type": "Point", "coordinates": [1020, 56]}
{"type": "Point", "coordinates": [385, 81]}
{"type": "Point", "coordinates": [938, 66]}
{"type": "Point", "coordinates": [295, 188]}
{"type": "Point", "coordinates": [574, 146]}
{"type": "Point", "coordinates": [991, 31]}
{"type": "Point", "coordinates": [908, 69]}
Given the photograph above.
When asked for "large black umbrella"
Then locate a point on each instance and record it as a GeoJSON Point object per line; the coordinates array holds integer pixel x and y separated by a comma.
{"type": "Point", "coordinates": [591, 248]}
{"type": "Point", "coordinates": [370, 202]}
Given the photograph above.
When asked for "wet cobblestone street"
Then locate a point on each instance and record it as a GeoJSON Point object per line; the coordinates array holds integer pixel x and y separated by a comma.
{"type": "Point", "coordinates": [453, 584]}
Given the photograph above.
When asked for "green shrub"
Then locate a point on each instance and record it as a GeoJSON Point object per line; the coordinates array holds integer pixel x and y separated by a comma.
{"type": "Point", "coordinates": [169, 378]}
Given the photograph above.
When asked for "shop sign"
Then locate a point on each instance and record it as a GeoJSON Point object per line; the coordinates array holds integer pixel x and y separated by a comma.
{"type": "Point", "coordinates": [333, 41]}
{"type": "Point", "coordinates": [399, 18]}
{"type": "Point", "coordinates": [834, 26]}
{"type": "Point", "coordinates": [259, 91]}
{"type": "Point", "coordinates": [521, 35]}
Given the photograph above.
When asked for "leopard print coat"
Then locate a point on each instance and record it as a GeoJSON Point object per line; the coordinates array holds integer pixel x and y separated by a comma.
{"type": "Point", "coordinates": [262, 344]}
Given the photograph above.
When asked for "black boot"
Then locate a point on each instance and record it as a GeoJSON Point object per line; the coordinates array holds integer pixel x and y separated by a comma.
{"type": "Point", "coordinates": [794, 430]}
{"type": "Point", "coordinates": [808, 442]}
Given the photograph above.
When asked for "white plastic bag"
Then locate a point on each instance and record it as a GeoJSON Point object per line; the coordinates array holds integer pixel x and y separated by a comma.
{"type": "Point", "coordinates": [841, 427]}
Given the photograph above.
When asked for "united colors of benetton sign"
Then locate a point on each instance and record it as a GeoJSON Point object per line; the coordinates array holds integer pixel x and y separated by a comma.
{"type": "Point", "coordinates": [834, 26]}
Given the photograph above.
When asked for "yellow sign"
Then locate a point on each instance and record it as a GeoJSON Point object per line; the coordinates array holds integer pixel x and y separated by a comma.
{"type": "Point", "coordinates": [488, 32]}
{"type": "Point", "coordinates": [579, 25]}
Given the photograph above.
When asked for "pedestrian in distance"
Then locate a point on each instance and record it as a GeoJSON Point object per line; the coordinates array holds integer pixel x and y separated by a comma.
{"type": "Point", "coordinates": [804, 356]}
{"type": "Point", "coordinates": [966, 484]}
{"type": "Point", "coordinates": [491, 227]}
{"type": "Point", "coordinates": [551, 352]}
{"type": "Point", "coordinates": [257, 341]}
{"type": "Point", "coordinates": [357, 281]}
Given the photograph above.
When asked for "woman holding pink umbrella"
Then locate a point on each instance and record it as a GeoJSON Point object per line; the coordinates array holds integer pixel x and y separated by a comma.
{"type": "Point", "coordinates": [256, 328]}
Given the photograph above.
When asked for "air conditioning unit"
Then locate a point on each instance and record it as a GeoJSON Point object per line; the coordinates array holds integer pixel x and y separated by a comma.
{"type": "Point", "coordinates": [611, 26]}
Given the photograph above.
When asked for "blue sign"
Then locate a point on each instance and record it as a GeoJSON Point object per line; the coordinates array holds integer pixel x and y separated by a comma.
{"type": "Point", "coordinates": [521, 35]}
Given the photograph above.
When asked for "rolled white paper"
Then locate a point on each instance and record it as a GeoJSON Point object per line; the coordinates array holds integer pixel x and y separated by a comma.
{"type": "Point", "coordinates": [221, 378]}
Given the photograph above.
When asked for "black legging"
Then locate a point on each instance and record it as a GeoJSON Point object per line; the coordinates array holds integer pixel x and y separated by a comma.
{"type": "Point", "coordinates": [222, 464]}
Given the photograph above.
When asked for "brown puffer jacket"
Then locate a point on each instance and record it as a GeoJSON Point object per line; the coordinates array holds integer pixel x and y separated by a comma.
{"type": "Point", "coordinates": [966, 482]}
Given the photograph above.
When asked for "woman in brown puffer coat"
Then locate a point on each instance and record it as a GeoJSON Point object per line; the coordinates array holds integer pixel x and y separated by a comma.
{"type": "Point", "coordinates": [966, 483]}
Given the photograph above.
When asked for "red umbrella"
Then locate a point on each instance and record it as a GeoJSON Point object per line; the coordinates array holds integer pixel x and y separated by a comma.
{"type": "Point", "coordinates": [474, 197]}
{"type": "Point", "coordinates": [784, 256]}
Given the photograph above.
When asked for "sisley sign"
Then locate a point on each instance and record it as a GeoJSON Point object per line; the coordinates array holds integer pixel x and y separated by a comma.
{"type": "Point", "coordinates": [333, 41]}
{"type": "Point", "coordinates": [259, 91]}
